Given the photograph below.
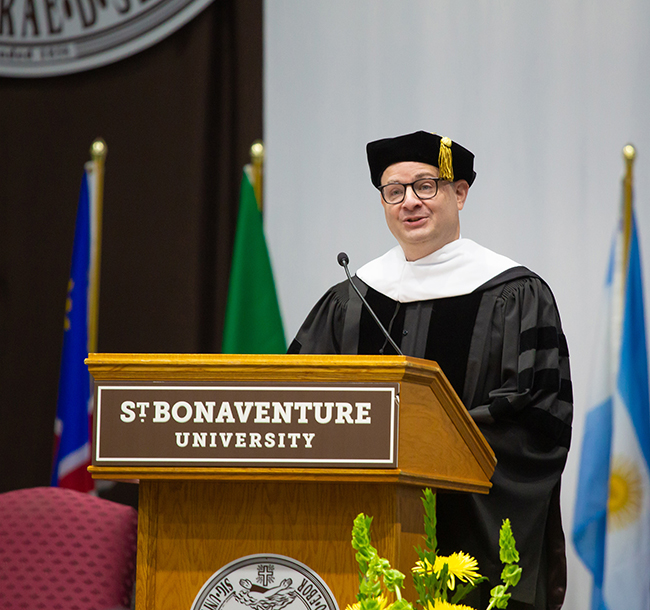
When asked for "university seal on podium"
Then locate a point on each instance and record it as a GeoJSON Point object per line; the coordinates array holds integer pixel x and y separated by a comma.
{"type": "Point", "coordinates": [265, 582]}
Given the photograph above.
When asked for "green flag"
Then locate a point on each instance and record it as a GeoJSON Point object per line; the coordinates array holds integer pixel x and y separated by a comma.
{"type": "Point", "coordinates": [253, 322]}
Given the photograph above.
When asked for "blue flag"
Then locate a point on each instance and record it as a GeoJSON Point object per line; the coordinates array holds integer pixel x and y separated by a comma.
{"type": "Point", "coordinates": [74, 405]}
{"type": "Point", "coordinates": [612, 514]}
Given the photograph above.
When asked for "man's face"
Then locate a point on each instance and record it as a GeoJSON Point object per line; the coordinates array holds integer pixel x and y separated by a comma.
{"type": "Point", "coordinates": [423, 226]}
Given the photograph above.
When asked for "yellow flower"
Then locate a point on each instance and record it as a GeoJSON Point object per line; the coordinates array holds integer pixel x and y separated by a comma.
{"type": "Point", "coordinates": [459, 565]}
{"type": "Point", "coordinates": [421, 566]}
{"type": "Point", "coordinates": [441, 604]}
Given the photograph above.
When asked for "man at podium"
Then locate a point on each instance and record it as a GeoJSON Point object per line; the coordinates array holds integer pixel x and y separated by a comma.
{"type": "Point", "coordinates": [493, 327]}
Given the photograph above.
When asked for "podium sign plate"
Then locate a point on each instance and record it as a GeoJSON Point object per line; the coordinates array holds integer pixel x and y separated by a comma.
{"type": "Point", "coordinates": [246, 425]}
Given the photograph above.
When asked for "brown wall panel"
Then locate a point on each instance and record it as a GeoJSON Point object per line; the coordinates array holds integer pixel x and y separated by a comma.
{"type": "Point", "coordinates": [178, 119]}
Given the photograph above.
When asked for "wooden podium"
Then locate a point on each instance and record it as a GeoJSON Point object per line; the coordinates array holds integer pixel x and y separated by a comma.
{"type": "Point", "coordinates": [194, 519]}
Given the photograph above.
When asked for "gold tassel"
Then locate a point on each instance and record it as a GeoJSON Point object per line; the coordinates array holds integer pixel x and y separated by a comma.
{"type": "Point", "coordinates": [445, 164]}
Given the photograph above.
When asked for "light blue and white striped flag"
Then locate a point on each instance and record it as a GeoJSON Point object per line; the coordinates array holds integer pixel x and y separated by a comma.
{"type": "Point", "coordinates": [612, 514]}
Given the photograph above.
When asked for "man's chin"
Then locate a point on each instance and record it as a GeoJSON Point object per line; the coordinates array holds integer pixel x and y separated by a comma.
{"type": "Point", "coordinates": [417, 234]}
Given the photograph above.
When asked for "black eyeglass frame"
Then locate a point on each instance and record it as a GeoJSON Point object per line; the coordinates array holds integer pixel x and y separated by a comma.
{"type": "Point", "coordinates": [412, 185]}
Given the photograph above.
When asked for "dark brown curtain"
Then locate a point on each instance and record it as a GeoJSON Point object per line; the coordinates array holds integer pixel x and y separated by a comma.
{"type": "Point", "coordinates": [178, 120]}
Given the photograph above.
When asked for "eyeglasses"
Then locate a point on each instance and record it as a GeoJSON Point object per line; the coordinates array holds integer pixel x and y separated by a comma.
{"type": "Point", "coordinates": [425, 188]}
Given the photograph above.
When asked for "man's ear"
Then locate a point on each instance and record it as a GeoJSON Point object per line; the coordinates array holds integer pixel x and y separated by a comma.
{"type": "Point", "coordinates": [461, 188]}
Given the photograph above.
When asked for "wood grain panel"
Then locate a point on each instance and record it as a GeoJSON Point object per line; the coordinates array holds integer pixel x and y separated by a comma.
{"type": "Point", "coordinates": [256, 367]}
{"type": "Point", "coordinates": [201, 526]}
{"type": "Point", "coordinates": [147, 550]}
{"type": "Point", "coordinates": [430, 440]}
{"type": "Point", "coordinates": [396, 476]}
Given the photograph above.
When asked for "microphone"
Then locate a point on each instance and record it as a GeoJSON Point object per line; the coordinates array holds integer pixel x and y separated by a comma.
{"type": "Point", "coordinates": [343, 260]}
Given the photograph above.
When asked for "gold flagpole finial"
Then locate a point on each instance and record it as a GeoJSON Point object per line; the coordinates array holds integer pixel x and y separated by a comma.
{"type": "Point", "coordinates": [629, 152]}
{"type": "Point", "coordinates": [98, 150]}
{"type": "Point", "coordinates": [257, 161]}
{"type": "Point", "coordinates": [257, 152]}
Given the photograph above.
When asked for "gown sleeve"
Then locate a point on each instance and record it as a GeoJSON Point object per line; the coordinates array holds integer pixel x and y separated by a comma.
{"type": "Point", "coordinates": [524, 362]}
{"type": "Point", "coordinates": [322, 330]}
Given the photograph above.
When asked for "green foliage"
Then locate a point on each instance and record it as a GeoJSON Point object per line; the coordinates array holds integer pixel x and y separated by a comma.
{"type": "Point", "coordinates": [427, 584]}
{"type": "Point", "coordinates": [511, 575]}
{"type": "Point", "coordinates": [463, 589]}
{"type": "Point", "coordinates": [377, 578]}
{"type": "Point", "coordinates": [401, 604]}
{"type": "Point", "coordinates": [361, 542]}
{"type": "Point", "coordinates": [511, 572]}
{"type": "Point", "coordinates": [499, 598]}
{"type": "Point", "coordinates": [430, 521]}
{"type": "Point", "coordinates": [375, 572]}
{"type": "Point", "coordinates": [507, 551]}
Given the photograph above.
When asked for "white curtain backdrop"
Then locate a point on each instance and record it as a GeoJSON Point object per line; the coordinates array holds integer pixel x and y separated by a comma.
{"type": "Point", "coordinates": [546, 94]}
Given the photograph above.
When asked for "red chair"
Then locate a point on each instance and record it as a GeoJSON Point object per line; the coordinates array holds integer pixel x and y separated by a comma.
{"type": "Point", "coordinates": [62, 549]}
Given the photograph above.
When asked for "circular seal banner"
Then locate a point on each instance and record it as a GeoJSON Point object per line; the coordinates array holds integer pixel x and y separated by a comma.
{"type": "Point", "coordinates": [265, 582]}
{"type": "Point", "coordinates": [51, 37]}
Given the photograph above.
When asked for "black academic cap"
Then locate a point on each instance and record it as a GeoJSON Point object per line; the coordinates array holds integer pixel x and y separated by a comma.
{"type": "Point", "coordinates": [454, 161]}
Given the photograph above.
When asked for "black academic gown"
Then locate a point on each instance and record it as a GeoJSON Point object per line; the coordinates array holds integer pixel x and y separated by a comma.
{"type": "Point", "coordinates": [503, 350]}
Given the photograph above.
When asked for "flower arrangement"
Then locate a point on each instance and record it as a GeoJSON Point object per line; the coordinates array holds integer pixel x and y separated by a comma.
{"type": "Point", "coordinates": [440, 582]}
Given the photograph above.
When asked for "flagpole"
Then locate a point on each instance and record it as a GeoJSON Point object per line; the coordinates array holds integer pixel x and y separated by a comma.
{"type": "Point", "coordinates": [98, 152]}
{"type": "Point", "coordinates": [629, 154]}
{"type": "Point", "coordinates": [253, 322]}
{"type": "Point", "coordinates": [257, 162]}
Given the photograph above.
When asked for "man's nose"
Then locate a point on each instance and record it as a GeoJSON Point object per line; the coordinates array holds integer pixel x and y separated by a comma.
{"type": "Point", "coordinates": [410, 198]}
